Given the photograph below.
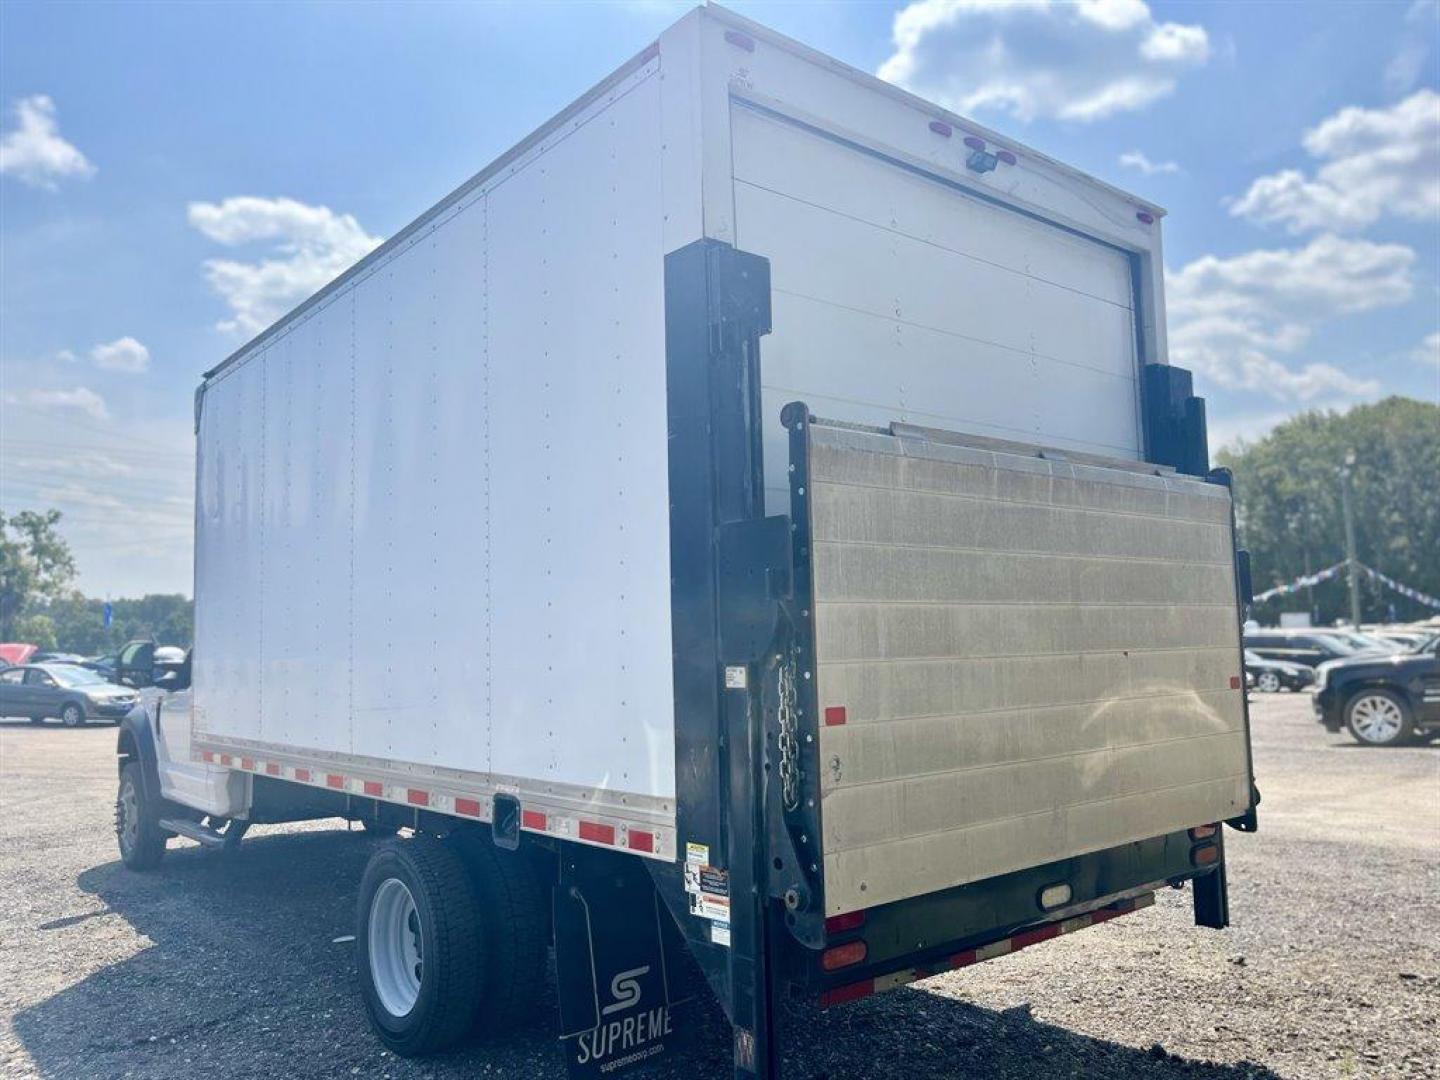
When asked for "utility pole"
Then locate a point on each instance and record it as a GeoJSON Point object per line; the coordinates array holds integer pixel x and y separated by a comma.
{"type": "Point", "coordinates": [1352, 564]}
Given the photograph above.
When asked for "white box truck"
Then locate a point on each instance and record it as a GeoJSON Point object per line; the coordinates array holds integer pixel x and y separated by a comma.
{"type": "Point", "coordinates": [752, 519]}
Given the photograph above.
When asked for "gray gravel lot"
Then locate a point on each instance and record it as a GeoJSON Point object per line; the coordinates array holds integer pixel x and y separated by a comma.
{"type": "Point", "coordinates": [215, 969]}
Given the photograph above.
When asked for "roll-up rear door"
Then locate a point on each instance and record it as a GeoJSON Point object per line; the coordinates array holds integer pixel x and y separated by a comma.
{"type": "Point", "coordinates": [1032, 659]}
{"type": "Point", "coordinates": [899, 296]}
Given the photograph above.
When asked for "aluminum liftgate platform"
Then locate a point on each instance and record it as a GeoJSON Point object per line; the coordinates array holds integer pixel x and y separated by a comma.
{"type": "Point", "coordinates": [795, 649]}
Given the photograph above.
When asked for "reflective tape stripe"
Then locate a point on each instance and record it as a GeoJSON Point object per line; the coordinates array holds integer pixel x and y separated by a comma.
{"type": "Point", "coordinates": [1036, 934]}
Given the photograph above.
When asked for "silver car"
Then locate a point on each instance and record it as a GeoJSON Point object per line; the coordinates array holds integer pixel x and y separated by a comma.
{"type": "Point", "coordinates": [66, 692]}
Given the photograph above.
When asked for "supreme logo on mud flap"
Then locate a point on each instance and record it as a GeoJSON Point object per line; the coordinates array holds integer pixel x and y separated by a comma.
{"type": "Point", "coordinates": [615, 956]}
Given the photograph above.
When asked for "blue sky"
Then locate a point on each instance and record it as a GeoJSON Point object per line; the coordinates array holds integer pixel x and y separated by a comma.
{"type": "Point", "coordinates": [174, 176]}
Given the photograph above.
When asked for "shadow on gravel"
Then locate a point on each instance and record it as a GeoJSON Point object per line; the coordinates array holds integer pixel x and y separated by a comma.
{"type": "Point", "coordinates": [238, 975]}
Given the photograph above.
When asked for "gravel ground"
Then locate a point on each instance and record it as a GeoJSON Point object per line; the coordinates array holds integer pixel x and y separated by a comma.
{"type": "Point", "coordinates": [209, 969]}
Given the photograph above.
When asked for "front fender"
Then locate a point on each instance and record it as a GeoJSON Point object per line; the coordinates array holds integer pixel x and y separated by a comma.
{"type": "Point", "coordinates": [136, 742]}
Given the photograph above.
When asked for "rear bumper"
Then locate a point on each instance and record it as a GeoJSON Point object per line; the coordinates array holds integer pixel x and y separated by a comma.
{"type": "Point", "coordinates": [932, 933]}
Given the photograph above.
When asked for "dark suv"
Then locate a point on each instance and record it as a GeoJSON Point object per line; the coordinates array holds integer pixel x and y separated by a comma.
{"type": "Point", "coordinates": [1382, 700]}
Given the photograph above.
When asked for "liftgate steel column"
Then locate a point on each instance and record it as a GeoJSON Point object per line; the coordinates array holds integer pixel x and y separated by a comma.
{"type": "Point", "coordinates": [729, 573]}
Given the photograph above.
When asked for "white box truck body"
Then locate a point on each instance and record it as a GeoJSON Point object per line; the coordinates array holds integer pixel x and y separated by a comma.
{"type": "Point", "coordinates": [761, 476]}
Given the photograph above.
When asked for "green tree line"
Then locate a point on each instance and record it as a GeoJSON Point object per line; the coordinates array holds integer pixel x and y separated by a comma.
{"type": "Point", "coordinates": [40, 606]}
{"type": "Point", "coordinates": [1288, 506]}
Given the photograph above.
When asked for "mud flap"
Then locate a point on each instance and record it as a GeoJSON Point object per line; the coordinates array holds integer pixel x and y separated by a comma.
{"type": "Point", "coordinates": [622, 986]}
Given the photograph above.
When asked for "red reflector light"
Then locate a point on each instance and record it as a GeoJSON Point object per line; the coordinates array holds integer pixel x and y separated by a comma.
{"type": "Point", "coordinates": [302, 775]}
{"type": "Point", "coordinates": [273, 769]}
{"type": "Point", "coordinates": [834, 715]}
{"type": "Point", "coordinates": [334, 780]}
{"type": "Point", "coordinates": [597, 833]}
{"type": "Point", "coordinates": [248, 764]}
{"type": "Point", "coordinates": [1236, 682]}
{"type": "Point", "coordinates": [226, 759]}
{"type": "Point", "coordinates": [1203, 832]}
{"type": "Point", "coordinates": [939, 127]}
{"type": "Point", "coordinates": [641, 841]}
{"type": "Point", "coordinates": [739, 40]}
{"type": "Point", "coordinates": [1205, 855]}
{"type": "Point", "coordinates": [843, 955]}
{"type": "Point", "coordinates": [468, 807]}
{"type": "Point", "coordinates": [838, 924]}
{"type": "Point", "coordinates": [532, 819]}
{"type": "Point", "coordinates": [374, 787]}
{"type": "Point", "coordinates": [416, 797]}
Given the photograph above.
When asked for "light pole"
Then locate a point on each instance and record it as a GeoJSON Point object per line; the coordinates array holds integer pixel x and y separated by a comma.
{"type": "Point", "coordinates": [1352, 564]}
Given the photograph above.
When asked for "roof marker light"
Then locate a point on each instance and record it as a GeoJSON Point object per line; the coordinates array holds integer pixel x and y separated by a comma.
{"type": "Point", "coordinates": [1006, 156]}
{"type": "Point", "coordinates": [1145, 217]}
{"type": "Point", "coordinates": [974, 142]}
{"type": "Point", "coordinates": [740, 41]}
{"type": "Point", "coordinates": [939, 127]}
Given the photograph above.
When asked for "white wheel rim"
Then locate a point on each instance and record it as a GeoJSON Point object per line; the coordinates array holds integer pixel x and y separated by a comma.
{"type": "Point", "coordinates": [129, 817]}
{"type": "Point", "coordinates": [1269, 682]}
{"type": "Point", "coordinates": [396, 947]}
{"type": "Point", "coordinates": [70, 716]}
{"type": "Point", "coordinates": [1376, 718]}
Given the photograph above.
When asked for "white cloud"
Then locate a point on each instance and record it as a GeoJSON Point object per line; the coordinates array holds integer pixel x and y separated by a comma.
{"type": "Point", "coordinates": [1235, 321]}
{"type": "Point", "coordinates": [1377, 162]}
{"type": "Point", "coordinates": [122, 354]}
{"type": "Point", "coordinates": [34, 152]}
{"type": "Point", "coordinates": [1428, 351]}
{"type": "Point", "coordinates": [79, 399]}
{"type": "Point", "coordinates": [311, 246]}
{"type": "Point", "coordinates": [65, 356]}
{"type": "Point", "coordinates": [1136, 159]}
{"type": "Point", "coordinates": [1406, 66]}
{"type": "Point", "coordinates": [1030, 58]}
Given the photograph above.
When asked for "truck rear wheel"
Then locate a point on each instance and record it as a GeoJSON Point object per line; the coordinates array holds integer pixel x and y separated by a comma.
{"type": "Point", "coordinates": [137, 828]}
{"type": "Point", "coordinates": [418, 945]}
{"type": "Point", "coordinates": [515, 926]}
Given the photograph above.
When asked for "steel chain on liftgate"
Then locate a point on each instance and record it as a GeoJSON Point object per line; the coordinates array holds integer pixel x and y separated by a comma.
{"type": "Point", "coordinates": [789, 745]}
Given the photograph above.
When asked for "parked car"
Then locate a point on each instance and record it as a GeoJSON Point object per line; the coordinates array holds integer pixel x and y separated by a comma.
{"type": "Point", "coordinates": [56, 658]}
{"type": "Point", "coordinates": [1382, 700]}
{"type": "Point", "coordinates": [66, 692]}
{"type": "Point", "coordinates": [1310, 646]}
{"type": "Point", "coordinates": [1272, 676]}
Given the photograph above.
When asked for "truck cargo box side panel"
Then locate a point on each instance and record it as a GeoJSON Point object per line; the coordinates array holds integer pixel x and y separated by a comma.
{"type": "Point", "coordinates": [897, 296]}
{"type": "Point", "coordinates": [582, 688]}
{"type": "Point", "coordinates": [433, 507]}
{"type": "Point", "coordinates": [227, 557]}
{"type": "Point", "coordinates": [1035, 660]}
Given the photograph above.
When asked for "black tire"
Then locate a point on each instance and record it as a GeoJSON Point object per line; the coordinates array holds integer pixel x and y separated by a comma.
{"type": "Point", "coordinates": [137, 830]}
{"type": "Point", "coordinates": [515, 923]}
{"type": "Point", "coordinates": [72, 715]}
{"type": "Point", "coordinates": [1366, 705]}
{"type": "Point", "coordinates": [447, 908]}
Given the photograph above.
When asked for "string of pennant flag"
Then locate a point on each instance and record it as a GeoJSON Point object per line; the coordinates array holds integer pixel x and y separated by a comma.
{"type": "Point", "coordinates": [1307, 580]}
